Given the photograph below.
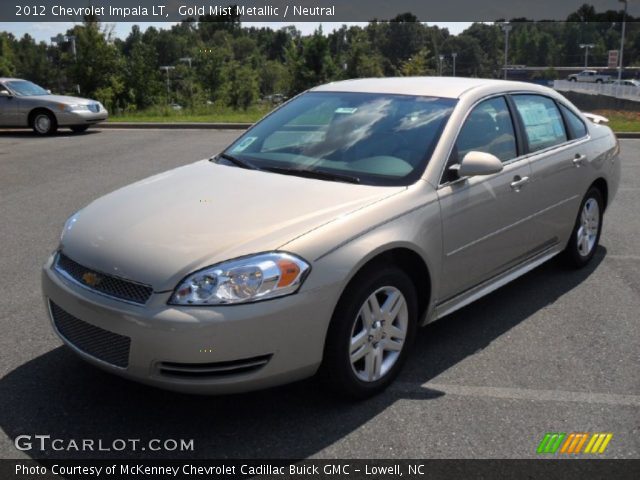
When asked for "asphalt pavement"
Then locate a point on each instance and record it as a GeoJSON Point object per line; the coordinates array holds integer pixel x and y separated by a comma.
{"type": "Point", "coordinates": [556, 351]}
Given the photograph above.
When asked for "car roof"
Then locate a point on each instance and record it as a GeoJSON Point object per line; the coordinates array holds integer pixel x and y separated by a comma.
{"type": "Point", "coordinates": [444, 87]}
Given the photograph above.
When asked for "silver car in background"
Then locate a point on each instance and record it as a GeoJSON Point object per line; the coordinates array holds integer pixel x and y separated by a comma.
{"type": "Point", "coordinates": [25, 104]}
{"type": "Point", "coordinates": [326, 234]}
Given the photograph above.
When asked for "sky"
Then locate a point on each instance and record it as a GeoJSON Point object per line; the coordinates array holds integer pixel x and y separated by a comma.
{"type": "Point", "coordinates": [43, 31]}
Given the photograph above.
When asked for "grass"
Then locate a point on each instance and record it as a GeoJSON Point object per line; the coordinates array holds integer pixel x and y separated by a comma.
{"type": "Point", "coordinates": [621, 121]}
{"type": "Point", "coordinates": [204, 114]}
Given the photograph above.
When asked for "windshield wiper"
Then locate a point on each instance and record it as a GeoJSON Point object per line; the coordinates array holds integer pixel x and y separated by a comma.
{"type": "Point", "coordinates": [237, 162]}
{"type": "Point", "coordinates": [319, 174]}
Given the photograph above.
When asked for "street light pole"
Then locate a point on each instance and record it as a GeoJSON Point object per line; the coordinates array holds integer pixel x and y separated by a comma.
{"type": "Point", "coordinates": [586, 47]}
{"type": "Point", "coordinates": [168, 69]}
{"type": "Point", "coordinates": [624, 23]}
{"type": "Point", "coordinates": [188, 60]}
{"type": "Point", "coordinates": [453, 56]}
{"type": "Point", "coordinates": [441, 58]}
{"type": "Point", "coordinates": [506, 27]}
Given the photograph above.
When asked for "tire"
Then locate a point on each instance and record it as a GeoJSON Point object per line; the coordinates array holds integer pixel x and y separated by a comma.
{"type": "Point", "coordinates": [573, 79]}
{"type": "Point", "coordinates": [381, 352]}
{"type": "Point", "coordinates": [599, 80]}
{"type": "Point", "coordinates": [584, 239]}
{"type": "Point", "coordinates": [79, 128]}
{"type": "Point", "coordinates": [44, 123]}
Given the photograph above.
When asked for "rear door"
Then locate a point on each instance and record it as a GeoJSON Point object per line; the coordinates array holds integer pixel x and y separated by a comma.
{"type": "Point", "coordinates": [556, 139]}
{"type": "Point", "coordinates": [8, 109]}
{"type": "Point", "coordinates": [485, 218]}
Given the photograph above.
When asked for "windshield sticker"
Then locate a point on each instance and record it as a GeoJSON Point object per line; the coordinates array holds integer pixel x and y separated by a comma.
{"type": "Point", "coordinates": [346, 110]}
{"type": "Point", "coordinates": [244, 144]}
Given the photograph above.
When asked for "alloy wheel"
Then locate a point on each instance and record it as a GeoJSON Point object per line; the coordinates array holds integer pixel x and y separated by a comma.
{"type": "Point", "coordinates": [378, 334]}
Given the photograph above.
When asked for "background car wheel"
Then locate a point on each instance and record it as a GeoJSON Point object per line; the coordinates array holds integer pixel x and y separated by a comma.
{"type": "Point", "coordinates": [79, 128]}
{"type": "Point", "coordinates": [371, 332]}
{"type": "Point", "coordinates": [586, 232]}
{"type": "Point", "coordinates": [44, 123]}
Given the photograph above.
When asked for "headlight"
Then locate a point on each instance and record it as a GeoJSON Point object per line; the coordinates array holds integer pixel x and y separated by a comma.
{"type": "Point", "coordinates": [249, 279]}
{"type": "Point", "coordinates": [74, 108]}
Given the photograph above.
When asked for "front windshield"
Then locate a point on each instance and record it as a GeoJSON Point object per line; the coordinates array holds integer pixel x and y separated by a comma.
{"type": "Point", "coordinates": [24, 88]}
{"type": "Point", "coordinates": [380, 139]}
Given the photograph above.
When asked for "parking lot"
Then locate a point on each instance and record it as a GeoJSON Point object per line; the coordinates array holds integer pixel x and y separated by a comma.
{"type": "Point", "coordinates": [556, 351]}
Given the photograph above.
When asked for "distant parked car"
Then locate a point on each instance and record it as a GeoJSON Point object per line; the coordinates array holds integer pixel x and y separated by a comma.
{"type": "Point", "coordinates": [627, 83]}
{"type": "Point", "coordinates": [591, 76]}
{"type": "Point", "coordinates": [176, 106]}
{"type": "Point", "coordinates": [25, 104]}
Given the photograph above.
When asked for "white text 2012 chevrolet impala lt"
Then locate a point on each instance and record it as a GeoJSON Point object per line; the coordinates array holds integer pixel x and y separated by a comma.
{"type": "Point", "coordinates": [323, 236]}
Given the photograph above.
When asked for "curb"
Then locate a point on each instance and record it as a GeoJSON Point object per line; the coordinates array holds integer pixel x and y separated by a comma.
{"type": "Point", "coordinates": [231, 126]}
{"type": "Point", "coordinates": [176, 125]}
{"type": "Point", "coordinates": [627, 134]}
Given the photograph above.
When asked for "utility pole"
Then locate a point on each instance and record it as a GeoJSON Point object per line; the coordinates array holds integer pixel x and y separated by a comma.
{"type": "Point", "coordinates": [624, 24]}
{"type": "Point", "coordinates": [506, 27]}
{"type": "Point", "coordinates": [453, 56]}
{"type": "Point", "coordinates": [586, 47]}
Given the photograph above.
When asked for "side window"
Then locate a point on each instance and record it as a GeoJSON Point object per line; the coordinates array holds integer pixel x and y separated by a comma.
{"type": "Point", "coordinates": [489, 129]}
{"type": "Point", "coordinates": [576, 125]}
{"type": "Point", "coordinates": [542, 121]}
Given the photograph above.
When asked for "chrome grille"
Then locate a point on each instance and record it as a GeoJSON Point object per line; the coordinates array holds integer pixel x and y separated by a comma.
{"type": "Point", "coordinates": [217, 369]}
{"type": "Point", "coordinates": [103, 283]}
{"type": "Point", "coordinates": [95, 341]}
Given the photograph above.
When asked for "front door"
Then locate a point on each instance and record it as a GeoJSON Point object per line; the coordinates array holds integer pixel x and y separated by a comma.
{"type": "Point", "coordinates": [486, 219]}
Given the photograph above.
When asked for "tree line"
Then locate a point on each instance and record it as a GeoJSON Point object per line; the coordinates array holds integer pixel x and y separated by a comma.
{"type": "Point", "coordinates": [217, 60]}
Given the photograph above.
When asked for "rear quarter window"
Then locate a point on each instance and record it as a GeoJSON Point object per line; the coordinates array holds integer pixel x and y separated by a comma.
{"type": "Point", "coordinates": [576, 125]}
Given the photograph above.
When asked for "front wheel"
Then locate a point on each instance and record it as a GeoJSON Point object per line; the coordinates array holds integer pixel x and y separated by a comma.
{"type": "Point", "coordinates": [371, 332]}
{"type": "Point", "coordinates": [44, 123]}
{"type": "Point", "coordinates": [586, 231]}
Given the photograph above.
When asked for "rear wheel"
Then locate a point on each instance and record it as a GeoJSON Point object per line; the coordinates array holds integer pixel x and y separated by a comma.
{"type": "Point", "coordinates": [79, 128]}
{"type": "Point", "coordinates": [371, 332]}
{"type": "Point", "coordinates": [44, 123]}
{"type": "Point", "coordinates": [586, 231]}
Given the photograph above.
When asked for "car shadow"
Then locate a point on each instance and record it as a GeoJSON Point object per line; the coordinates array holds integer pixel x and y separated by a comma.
{"type": "Point", "coordinates": [59, 395]}
{"type": "Point", "coordinates": [31, 134]}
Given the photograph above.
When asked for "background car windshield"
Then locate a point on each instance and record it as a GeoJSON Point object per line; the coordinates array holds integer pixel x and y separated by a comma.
{"type": "Point", "coordinates": [380, 139]}
{"type": "Point", "coordinates": [25, 88]}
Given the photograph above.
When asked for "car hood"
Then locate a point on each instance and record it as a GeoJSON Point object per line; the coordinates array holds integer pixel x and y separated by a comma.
{"type": "Point", "coordinates": [158, 230]}
{"type": "Point", "coordinates": [62, 99]}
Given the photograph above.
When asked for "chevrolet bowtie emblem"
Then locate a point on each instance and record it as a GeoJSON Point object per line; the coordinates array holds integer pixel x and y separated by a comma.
{"type": "Point", "coordinates": [91, 279]}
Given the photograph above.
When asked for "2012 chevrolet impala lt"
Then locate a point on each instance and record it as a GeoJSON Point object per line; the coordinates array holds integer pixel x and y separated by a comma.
{"type": "Point", "coordinates": [321, 238]}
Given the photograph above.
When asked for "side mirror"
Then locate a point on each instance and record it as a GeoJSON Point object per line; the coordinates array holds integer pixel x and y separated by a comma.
{"type": "Point", "coordinates": [479, 163]}
{"type": "Point", "coordinates": [5, 93]}
{"type": "Point", "coordinates": [49, 92]}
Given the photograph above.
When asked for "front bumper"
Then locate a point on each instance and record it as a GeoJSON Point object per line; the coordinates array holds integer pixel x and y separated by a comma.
{"type": "Point", "coordinates": [81, 117]}
{"type": "Point", "coordinates": [289, 332]}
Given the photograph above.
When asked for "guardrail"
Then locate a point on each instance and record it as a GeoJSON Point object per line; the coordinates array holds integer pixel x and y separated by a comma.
{"type": "Point", "coordinates": [611, 90]}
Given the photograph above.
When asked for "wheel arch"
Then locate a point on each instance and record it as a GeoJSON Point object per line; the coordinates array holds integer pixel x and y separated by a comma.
{"type": "Point", "coordinates": [409, 261]}
{"type": "Point", "coordinates": [36, 110]}
{"type": "Point", "coordinates": [601, 184]}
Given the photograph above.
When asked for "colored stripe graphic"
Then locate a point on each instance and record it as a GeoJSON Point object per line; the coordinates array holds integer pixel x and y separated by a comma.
{"type": "Point", "coordinates": [598, 443]}
{"type": "Point", "coordinates": [572, 443]}
{"type": "Point", "coordinates": [551, 442]}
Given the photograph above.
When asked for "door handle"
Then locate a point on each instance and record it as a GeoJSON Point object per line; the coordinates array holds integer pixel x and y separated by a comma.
{"type": "Point", "coordinates": [518, 181]}
{"type": "Point", "coordinates": [578, 159]}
